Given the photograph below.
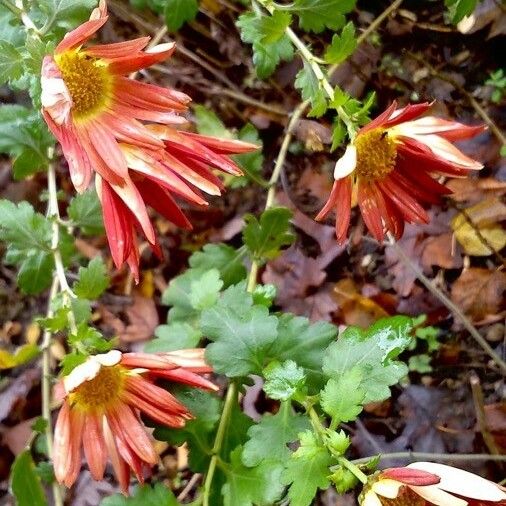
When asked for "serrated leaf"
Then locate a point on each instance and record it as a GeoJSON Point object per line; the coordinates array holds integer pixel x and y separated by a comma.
{"type": "Point", "coordinates": [204, 291]}
{"type": "Point", "coordinates": [272, 28]}
{"type": "Point", "coordinates": [24, 134]}
{"type": "Point", "coordinates": [342, 45]}
{"type": "Point", "coordinates": [282, 381]}
{"type": "Point", "coordinates": [241, 334]}
{"type": "Point", "coordinates": [222, 257]}
{"type": "Point", "coordinates": [316, 15]}
{"type": "Point", "coordinates": [25, 483]}
{"type": "Point", "coordinates": [266, 56]}
{"type": "Point", "coordinates": [86, 212]}
{"type": "Point", "coordinates": [90, 339]}
{"type": "Point", "coordinates": [269, 438]}
{"type": "Point", "coordinates": [60, 15]}
{"type": "Point", "coordinates": [35, 272]}
{"type": "Point", "coordinates": [259, 486]}
{"type": "Point", "coordinates": [307, 470]}
{"type": "Point", "coordinates": [93, 280]}
{"type": "Point", "coordinates": [265, 238]}
{"type": "Point", "coordinates": [373, 352]}
{"type": "Point", "coordinates": [175, 336]}
{"type": "Point", "coordinates": [311, 89]}
{"type": "Point", "coordinates": [264, 295]}
{"type": "Point", "coordinates": [342, 398]}
{"type": "Point", "coordinates": [338, 133]}
{"type": "Point", "coordinates": [179, 12]}
{"type": "Point", "coordinates": [11, 63]}
{"type": "Point", "coordinates": [304, 343]}
{"type": "Point", "coordinates": [144, 495]}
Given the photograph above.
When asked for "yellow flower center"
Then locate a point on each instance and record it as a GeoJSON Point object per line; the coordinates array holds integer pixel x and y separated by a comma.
{"type": "Point", "coordinates": [376, 154]}
{"type": "Point", "coordinates": [102, 391]}
{"type": "Point", "coordinates": [88, 82]}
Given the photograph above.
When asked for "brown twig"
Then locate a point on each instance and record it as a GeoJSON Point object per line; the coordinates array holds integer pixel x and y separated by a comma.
{"type": "Point", "coordinates": [479, 408]}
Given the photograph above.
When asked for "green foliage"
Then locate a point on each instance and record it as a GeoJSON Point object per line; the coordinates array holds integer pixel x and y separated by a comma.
{"type": "Point", "coordinates": [307, 470]}
{"type": "Point", "coordinates": [342, 45]}
{"type": "Point", "coordinates": [264, 238]}
{"type": "Point", "coordinates": [311, 89]}
{"type": "Point", "coordinates": [144, 495]}
{"type": "Point", "coordinates": [58, 16]}
{"type": "Point", "coordinates": [459, 9]}
{"type": "Point", "coordinates": [373, 353]}
{"type": "Point", "coordinates": [259, 486]}
{"type": "Point", "coordinates": [497, 80]}
{"type": "Point", "coordinates": [89, 339]}
{"type": "Point", "coordinates": [266, 55]}
{"type": "Point", "coordinates": [24, 136]}
{"type": "Point", "coordinates": [272, 28]}
{"type": "Point", "coordinates": [85, 212]}
{"type": "Point", "coordinates": [175, 336]}
{"type": "Point", "coordinates": [282, 381]}
{"type": "Point", "coordinates": [11, 64]}
{"type": "Point", "coordinates": [269, 438]}
{"type": "Point", "coordinates": [316, 15]}
{"type": "Point", "coordinates": [25, 482]}
{"type": "Point", "coordinates": [93, 280]}
{"type": "Point", "coordinates": [179, 12]}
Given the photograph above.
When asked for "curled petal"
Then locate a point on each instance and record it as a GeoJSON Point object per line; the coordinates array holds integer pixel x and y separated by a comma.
{"type": "Point", "coordinates": [223, 146]}
{"type": "Point", "coordinates": [347, 163]}
{"type": "Point", "coordinates": [127, 64]}
{"type": "Point", "coordinates": [411, 476]}
{"type": "Point", "coordinates": [449, 130]}
{"type": "Point", "coordinates": [118, 49]}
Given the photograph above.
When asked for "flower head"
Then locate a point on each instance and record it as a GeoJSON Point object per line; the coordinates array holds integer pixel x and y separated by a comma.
{"type": "Point", "coordinates": [390, 169]}
{"type": "Point", "coordinates": [426, 483]}
{"type": "Point", "coordinates": [127, 133]}
{"type": "Point", "coordinates": [102, 402]}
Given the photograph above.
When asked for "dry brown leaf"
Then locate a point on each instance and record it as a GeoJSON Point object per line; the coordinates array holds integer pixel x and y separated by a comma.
{"type": "Point", "coordinates": [475, 190]}
{"type": "Point", "coordinates": [495, 416]}
{"type": "Point", "coordinates": [437, 250]}
{"type": "Point", "coordinates": [354, 308]}
{"type": "Point", "coordinates": [486, 217]}
{"type": "Point", "coordinates": [480, 293]}
{"type": "Point", "coordinates": [143, 320]}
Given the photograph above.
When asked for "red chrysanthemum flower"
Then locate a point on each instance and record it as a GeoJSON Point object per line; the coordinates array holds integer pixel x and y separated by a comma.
{"type": "Point", "coordinates": [426, 483]}
{"type": "Point", "coordinates": [102, 402]}
{"type": "Point", "coordinates": [99, 117]}
{"type": "Point", "coordinates": [390, 166]}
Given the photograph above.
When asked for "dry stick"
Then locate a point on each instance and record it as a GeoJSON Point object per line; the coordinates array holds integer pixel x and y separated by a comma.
{"type": "Point", "coordinates": [448, 303]}
{"type": "Point", "coordinates": [189, 486]}
{"type": "Point", "coordinates": [445, 457]}
{"type": "Point", "coordinates": [480, 414]}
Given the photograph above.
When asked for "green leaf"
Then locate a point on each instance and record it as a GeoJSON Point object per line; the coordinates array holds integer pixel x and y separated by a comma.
{"type": "Point", "coordinates": [259, 486]}
{"type": "Point", "coordinates": [24, 134]}
{"type": "Point", "coordinates": [25, 483]}
{"type": "Point", "coordinates": [85, 212]}
{"type": "Point", "coordinates": [307, 470]}
{"type": "Point", "coordinates": [93, 280]}
{"type": "Point", "coordinates": [204, 292]}
{"type": "Point", "coordinates": [35, 272]}
{"type": "Point", "coordinates": [372, 351]}
{"type": "Point", "coordinates": [316, 15]}
{"type": "Point", "coordinates": [23, 354]}
{"type": "Point", "coordinates": [272, 28]}
{"type": "Point", "coordinates": [70, 361]}
{"type": "Point", "coordinates": [11, 63]}
{"type": "Point", "coordinates": [264, 238]}
{"type": "Point", "coordinates": [282, 381]}
{"type": "Point", "coordinates": [222, 257]}
{"type": "Point", "coordinates": [342, 45]}
{"type": "Point", "coordinates": [179, 12]}
{"type": "Point", "coordinates": [269, 438]}
{"type": "Point", "coordinates": [175, 336]}
{"type": "Point", "coordinates": [305, 344]}
{"type": "Point", "coordinates": [198, 433]}
{"type": "Point", "coordinates": [208, 123]}
{"type": "Point", "coordinates": [264, 295]}
{"type": "Point", "coordinates": [144, 495]}
{"type": "Point", "coordinates": [241, 334]}
{"type": "Point", "coordinates": [11, 29]}
{"type": "Point", "coordinates": [342, 398]}
{"type": "Point", "coordinates": [45, 472]}
{"type": "Point", "coordinates": [61, 15]}
{"type": "Point", "coordinates": [338, 133]}
{"type": "Point", "coordinates": [338, 441]}
{"type": "Point", "coordinates": [250, 163]}
{"type": "Point", "coordinates": [90, 339]}
{"type": "Point", "coordinates": [311, 89]}
{"type": "Point", "coordinates": [266, 56]}
{"type": "Point", "coordinates": [344, 480]}
{"type": "Point", "coordinates": [459, 9]}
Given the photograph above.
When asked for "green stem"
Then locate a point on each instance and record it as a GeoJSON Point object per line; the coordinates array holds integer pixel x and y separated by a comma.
{"type": "Point", "coordinates": [443, 457]}
{"type": "Point", "coordinates": [353, 468]}
{"type": "Point", "coordinates": [230, 398]}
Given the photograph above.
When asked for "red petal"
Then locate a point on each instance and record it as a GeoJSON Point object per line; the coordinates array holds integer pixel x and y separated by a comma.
{"type": "Point", "coordinates": [223, 146]}
{"type": "Point", "coordinates": [407, 114]}
{"type": "Point", "coordinates": [74, 457]}
{"type": "Point", "coordinates": [411, 476]}
{"type": "Point", "coordinates": [145, 361]}
{"type": "Point", "coordinates": [61, 445]}
{"type": "Point", "coordinates": [119, 465]}
{"type": "Point", "coordinates": [165, 96]}
{"type": "Point", "coordinates": [331, 202]}
{"type": "Point", "coordinates": [184, 376]}
{"type": "Point", "coordinates": [380, 120]}
{"type": "Point", "coordinates": [134, 63]}
{"type": "Point", "coordinates": [343, 208]}
{"type": "Point", "coordinates": [370, 210]}
{"type": "Point", "coordinates": [94, 446]}
{"type": "Point", "coordinates": [118, 49]}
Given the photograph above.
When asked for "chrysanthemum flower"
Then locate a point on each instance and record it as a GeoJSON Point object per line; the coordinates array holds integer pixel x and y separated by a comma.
{"type": "Point", "coordinates": [102, 402]}
{"type": "Point", "coordinates": [426, 483]}
{"type": "Point", "coordinates": [390, 169]}
{"type": "Point", "coordinates": [125, 132]}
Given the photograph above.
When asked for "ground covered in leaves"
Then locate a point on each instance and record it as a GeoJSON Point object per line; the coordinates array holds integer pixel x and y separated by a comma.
{"type": "Point", "coordinates": [452, 401]}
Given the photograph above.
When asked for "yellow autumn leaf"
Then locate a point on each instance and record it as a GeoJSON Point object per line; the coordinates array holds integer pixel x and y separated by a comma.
{"type": "Point", "coordinates": [486, 216]}
{"type": "Point", "coordinates": [23, 354]}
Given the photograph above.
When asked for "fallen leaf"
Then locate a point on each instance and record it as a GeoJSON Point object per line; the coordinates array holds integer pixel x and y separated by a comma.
{"type": "Point", "coordinates": [22, 355]}
{"type": "Point", "coordinates": [486, 217]}
{"type": "Point", "coordinates": [495, 417]}
{"type": "Point", "coordinates": [438, 250]}
{"type": "Point", "coordinates": [475, 190]}
{"type": "Point", "coordinates": [17, 389]}
{"type": "Point", "coordinates": [143, 320]}
{"type": "Point", "coordinates": [480, 293]}
{"type": "Point", "coordinates": [17, 437]}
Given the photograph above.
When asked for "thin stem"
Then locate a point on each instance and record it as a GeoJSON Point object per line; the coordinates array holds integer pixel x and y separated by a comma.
{"type": "Point", "coordinates": [353, 468]}
{"type": "Point", "coordinates": [29, 24]}
{"type": "Point", "coordinates": [448, 303]}
{"type": "Point", "coordinates": [230, 398]}
{"type": "Point", "coordinates": [443, 457]}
